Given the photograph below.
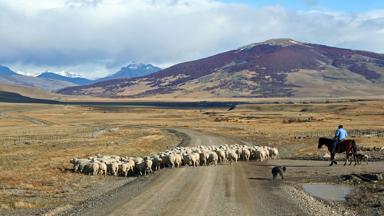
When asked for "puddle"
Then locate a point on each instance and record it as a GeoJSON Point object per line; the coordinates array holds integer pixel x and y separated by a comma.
{"type": "Point", "coordinates": [330, 192]}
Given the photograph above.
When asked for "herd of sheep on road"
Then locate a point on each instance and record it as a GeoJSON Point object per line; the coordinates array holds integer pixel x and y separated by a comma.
{"type": "Point", "coordinates": [179, 156]}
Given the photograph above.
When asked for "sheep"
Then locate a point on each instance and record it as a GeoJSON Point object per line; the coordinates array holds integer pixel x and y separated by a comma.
{"type": "Point", "coordinates": [140, 167]}
{"type": "Point", "coordinates": [245, 154]}
{"type": "Point", "coordinates": [79, 164]}
{"type": "Point", "coordinates": [169, 160]}
{"type": "Point", "coordinates": [273, 153]}
{"type": "Point", "coordinates": [191, 159]}
{"type": "Point", "coordinates": [93, 168]}
{"type": "Point", "coordinates": [232, 156]}
{"type": "Point", "coordinates": [178, 160]}
{"type": "Point", "coordinates": [113, 166]}
{"type": "Point", "coordinates": [213, 158]}
{"type": "Point", "coordinates": [157, 162]}
{"type": "Point", "coordinates": [102, 169]}
{"type": "Point", "coordinates": [191, 156]}
{"type": "Point", "coordinates": [148, 166]}
{"type": "Point", "coordinates": [204, 158]}
{"type": "Point", "coordinates": [138, 163]}
{"type": "Point", "coordinates": [124, 169]}
{"type": "Point", "coordinates": [221, 156]}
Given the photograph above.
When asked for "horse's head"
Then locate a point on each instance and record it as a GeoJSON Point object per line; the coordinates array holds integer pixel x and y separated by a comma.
{"type": "Point", "coordinates": [321, 143]}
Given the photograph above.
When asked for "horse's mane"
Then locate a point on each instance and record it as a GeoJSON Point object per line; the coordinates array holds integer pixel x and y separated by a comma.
{"type": "Point", "coordinates": [324, 139]}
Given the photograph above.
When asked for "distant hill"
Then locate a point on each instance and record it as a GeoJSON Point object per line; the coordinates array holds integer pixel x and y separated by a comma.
{"type": "Point", "coordinates": [5, 71]}
{"type": "Point", "coordinates": [30, 92]}
{"type": "Point", "coordinates": [58, 77]}
{"type": "Point", "coordinates": [9, 77]}
{"type": "Point", "coordinates": [132, 71]}
{"type": "Point", "coordinates": [11, 97]}
{"type": "Point", "coordinates": [274, 68]}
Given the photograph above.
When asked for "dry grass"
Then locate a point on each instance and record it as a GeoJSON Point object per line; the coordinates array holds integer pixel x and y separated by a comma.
{"type": "Point", "coordinates": [37, 141]}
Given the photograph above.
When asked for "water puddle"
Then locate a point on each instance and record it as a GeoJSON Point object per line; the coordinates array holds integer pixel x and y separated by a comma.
{"type": "Point", "coordinates": [330, 192]}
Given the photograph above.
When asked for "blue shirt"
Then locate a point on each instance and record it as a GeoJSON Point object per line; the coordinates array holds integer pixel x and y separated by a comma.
{"type": "Point", "coordinates": [341, 134]}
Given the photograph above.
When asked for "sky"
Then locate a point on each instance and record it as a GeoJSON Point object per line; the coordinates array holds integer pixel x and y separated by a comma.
{"type": "Point", "coordinates": [94, 38]}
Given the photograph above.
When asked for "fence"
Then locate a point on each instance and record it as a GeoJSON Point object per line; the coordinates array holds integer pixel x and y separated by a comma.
{"type": "Point", "coordinates": [28, 136]}
{"type": "Point", "coordinates": [331, 133]}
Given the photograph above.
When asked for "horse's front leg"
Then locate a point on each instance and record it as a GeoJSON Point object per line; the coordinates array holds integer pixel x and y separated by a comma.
{"type": "Point", "coordinates": [332, 159]}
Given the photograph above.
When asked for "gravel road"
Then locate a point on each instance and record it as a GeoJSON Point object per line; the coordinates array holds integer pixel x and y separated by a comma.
{"type": "Point", "coordinates": [244, 188]}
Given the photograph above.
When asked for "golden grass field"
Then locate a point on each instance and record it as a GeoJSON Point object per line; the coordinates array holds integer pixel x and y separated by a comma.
{"type": "Point", "coordinates": [37, 141]}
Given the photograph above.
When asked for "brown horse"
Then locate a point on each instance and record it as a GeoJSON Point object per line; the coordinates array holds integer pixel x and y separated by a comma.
{"type": "Point", "coordinates": [347, 146]}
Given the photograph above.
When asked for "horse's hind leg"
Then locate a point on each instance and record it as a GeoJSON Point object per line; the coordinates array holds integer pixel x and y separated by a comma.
{"type": "Point", "coordinates": [346, 159]}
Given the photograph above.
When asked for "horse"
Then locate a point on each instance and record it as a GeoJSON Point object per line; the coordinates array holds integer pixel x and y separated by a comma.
{"type": "Point", "coordinates": [347, 146]}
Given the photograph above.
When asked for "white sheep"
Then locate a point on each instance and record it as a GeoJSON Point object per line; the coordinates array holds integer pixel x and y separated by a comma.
{"type": "Point", "coordinates": [232, 156]}
{"type": "Point", "coordinates": [124, 169]}
{"type": "Point", "coordinates": [221, 156]}
{"type": "Point", "coordinates": [93, 168]}
{"type": "Point", "coordinates": [245, 154]}
{"type": "Point", "coordinates": [178, 160]}
{"type": "Point", "coordinates": [273, 153]}
{"type": "Point", "coordinates": [192, 156]}
{"type": "Point", "coordinates": [102, 169]}
{"type": "Point", "coordinates": [148, 166]}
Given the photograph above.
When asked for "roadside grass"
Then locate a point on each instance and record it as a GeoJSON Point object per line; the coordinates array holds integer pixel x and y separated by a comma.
{"type": "Point", "coordinates": [38, 141]}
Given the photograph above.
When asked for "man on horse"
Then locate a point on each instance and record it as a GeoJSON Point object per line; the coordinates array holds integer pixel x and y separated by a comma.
{"type": "Point", "coordinates": [340, 136]}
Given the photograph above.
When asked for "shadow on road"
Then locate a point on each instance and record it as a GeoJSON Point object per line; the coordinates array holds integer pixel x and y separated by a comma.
{"type": "Point", "coordinates": [260, 179]}
{"type": "Point", "coordinates": [282, 164]}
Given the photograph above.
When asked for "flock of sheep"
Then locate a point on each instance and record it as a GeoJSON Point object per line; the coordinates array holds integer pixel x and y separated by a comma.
{"type": "Point", "coordinates": [179, 156]}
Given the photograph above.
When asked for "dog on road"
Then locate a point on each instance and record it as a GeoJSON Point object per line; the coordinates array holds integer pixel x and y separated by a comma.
{"type": "Point", "coordinates": [361, 157]}
{"type": "Point", "coordinates": [278, 170]}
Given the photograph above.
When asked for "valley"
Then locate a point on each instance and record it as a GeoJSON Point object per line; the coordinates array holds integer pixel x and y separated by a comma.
{"type": "Point", "coordinates": [39, 140]}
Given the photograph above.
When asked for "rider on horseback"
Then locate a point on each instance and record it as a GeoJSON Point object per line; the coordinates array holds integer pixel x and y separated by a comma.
{"type": "Point", "coordinates": [340, 136]}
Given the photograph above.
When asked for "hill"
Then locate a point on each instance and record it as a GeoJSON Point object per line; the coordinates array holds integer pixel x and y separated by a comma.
{"type": "Point", "coordinates": [58, 77]}
{"type": "Point", "coordinates": [274, 68]}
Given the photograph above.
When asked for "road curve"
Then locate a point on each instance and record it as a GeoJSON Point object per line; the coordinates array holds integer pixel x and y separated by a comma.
{"type": "Point", "coordinates": [241, 189]}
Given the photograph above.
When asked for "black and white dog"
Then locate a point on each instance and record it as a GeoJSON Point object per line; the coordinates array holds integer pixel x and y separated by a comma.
{"type": "Point", "coordinates": [361, 157]}
{"type": "Point", "coordinates": [278, 170]}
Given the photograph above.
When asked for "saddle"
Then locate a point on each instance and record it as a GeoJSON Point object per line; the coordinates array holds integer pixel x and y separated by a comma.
{"type": "Point", "coordinates": [339, 144]}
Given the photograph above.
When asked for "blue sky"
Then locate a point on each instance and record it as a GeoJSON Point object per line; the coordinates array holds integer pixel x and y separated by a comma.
{"type": "Point", "coordinates": [354, 6]}
{"type": "Point", "coordinates": [94, 38]}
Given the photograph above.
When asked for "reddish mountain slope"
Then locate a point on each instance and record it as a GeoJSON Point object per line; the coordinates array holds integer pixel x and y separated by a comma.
{"type": "Point", "coordinates": [274, 68]}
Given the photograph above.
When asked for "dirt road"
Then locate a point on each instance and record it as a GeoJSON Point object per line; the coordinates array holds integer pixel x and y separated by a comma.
{"type": "Point", "coordinates": [241, 189]}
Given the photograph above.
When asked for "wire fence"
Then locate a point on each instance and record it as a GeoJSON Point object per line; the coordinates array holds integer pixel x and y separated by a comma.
{"type": "Point", "coordinates": [331, 133]}
{"type": "Point", "coordinates": [30, 136]}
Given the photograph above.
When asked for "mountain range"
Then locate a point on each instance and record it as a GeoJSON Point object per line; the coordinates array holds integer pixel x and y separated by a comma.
{"type": "Point", "coordinates": [274, 68]}
{"type": "Point", "coordinates": [52, 81]}
{"type": "Point", "coordinates": [132, 71]}
{"type": "Point", "coordinates": [9, 77]}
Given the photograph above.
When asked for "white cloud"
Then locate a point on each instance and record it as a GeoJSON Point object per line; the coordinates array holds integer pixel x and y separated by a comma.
{"type": "Point", "coordinates": [92, 37]}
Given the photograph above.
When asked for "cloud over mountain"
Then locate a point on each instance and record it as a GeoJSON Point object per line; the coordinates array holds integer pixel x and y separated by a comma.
{"type": "Point", "coordinates": [92, 37]}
